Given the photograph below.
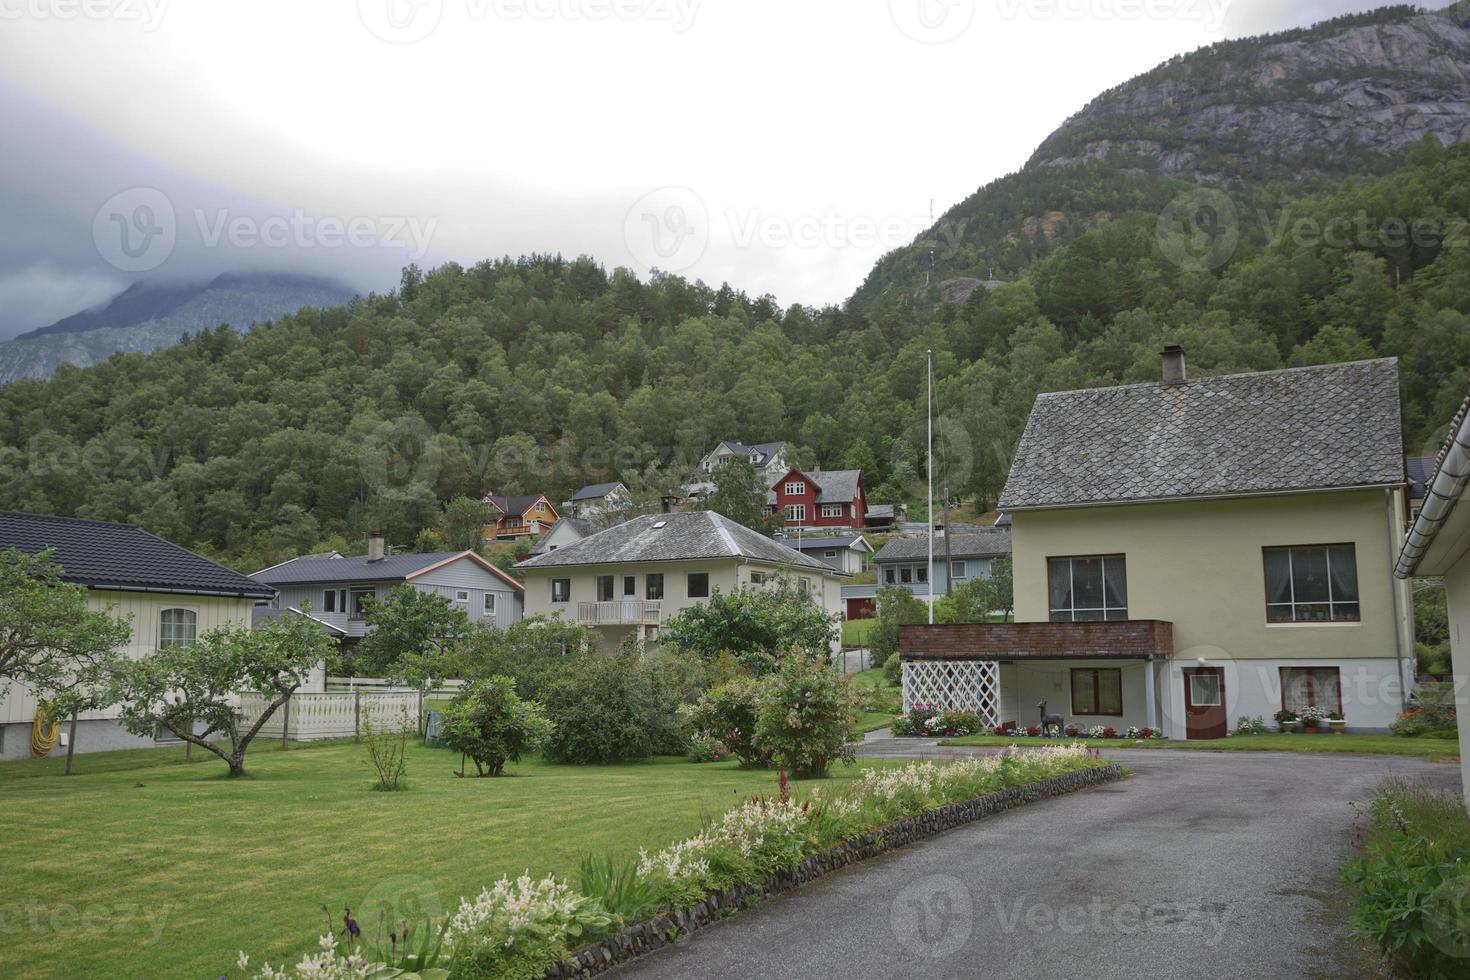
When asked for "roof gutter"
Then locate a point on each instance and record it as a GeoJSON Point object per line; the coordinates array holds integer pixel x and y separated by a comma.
{"type": "Point", "coordinates": [1443, 492]}
{"type": "Point", "coordinates": [1252, 495]}
{"type": "Point", "coordinates": [164, 591]}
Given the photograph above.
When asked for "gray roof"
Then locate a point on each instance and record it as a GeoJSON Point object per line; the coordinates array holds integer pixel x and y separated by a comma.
{"type": "Point", "coordinates": [1420, 471]}
{"type": "Point", "coordinates": [880, 510]}
{"type": "Point", "coordinates": [515, 505]}
{"type": "Point", "coordinates": [673, 537]}
{"type": "Point", "coordinates": [107, 555]}
{"type": "Point", "coordinates": [765, 449]}
{"type": "Point", "coordinates": [1313, 428]}
{"type": "Point", "coordinates": [595, 491]}
{"type": "Point", "coordinates": [988, 543]}
{"type": "Point", "coordinates": [394, 568]}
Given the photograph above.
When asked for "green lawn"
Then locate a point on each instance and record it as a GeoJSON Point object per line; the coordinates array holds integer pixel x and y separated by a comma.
{"type": "Point", "coordinates": [143, 866]}
{"type": "Point", "coordinates": [855, 632]}
{"type": "Point", "coordinates": [1428, 748]}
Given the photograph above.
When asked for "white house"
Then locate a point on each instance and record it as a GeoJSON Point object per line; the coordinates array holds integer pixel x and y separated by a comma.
{"type": "Point", "coordinates": [768, 458]}
{"type": "Point", "coordinates": [627, 581]}
{"type": "Point", "coordinates": [333, 589]}
{"type": "Point", "coordinates": [1439, 544]}
{"type": "Point", "coordinates": [599, 501]}
{"type": "Point", "coordinates": [568, 530]}
{"type": "Point", "coordinates": [170, 594]}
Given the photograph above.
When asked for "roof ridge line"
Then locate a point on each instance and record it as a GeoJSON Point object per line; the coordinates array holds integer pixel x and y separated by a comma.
{"type": "Point", "coordinates": [725, 535]}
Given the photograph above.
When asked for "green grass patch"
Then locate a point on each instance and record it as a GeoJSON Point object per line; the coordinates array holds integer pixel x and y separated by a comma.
{"type": "Point", "coordinates": [181, 867]}
{"type": "Point", "coordinates": [1427, 748]}
{"type": "Point", "coordinates": [872, 721]}
{"type": "Point", "coordinates": [855, 632]}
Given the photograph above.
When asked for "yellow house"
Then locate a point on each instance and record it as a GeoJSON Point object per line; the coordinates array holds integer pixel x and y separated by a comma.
{"type": "Point", "coordinates": [170, 594]}
{"type": "Point", "coordinates": [1439, 544]}
{"type": "Point", "coordinates": [627, 581]}
{"type": "Point", "coordinates": [1192, 552]}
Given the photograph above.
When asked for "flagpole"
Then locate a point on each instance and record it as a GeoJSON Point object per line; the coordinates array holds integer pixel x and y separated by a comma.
{"type": "Point", "coordinates": [929, 470]}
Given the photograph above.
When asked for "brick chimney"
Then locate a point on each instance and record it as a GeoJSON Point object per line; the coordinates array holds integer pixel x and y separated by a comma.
{"type": "Point", "coordinates": [1174, 371]}
{"type": "Point", "coordinates": [376, 547]}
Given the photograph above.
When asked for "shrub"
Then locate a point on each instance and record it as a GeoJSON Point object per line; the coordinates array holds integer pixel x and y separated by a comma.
{"type": "Point", "coordinates": [729, 713]}
{"type": "Point", "coordinates": [896, 606]}
{"type": "Point", "coordinates": [1251, 725]}
{"type": "Point", "coordinates": [533, 653]}
{"type": "Point", "coordinates": [1412, 876]}
{"type": "Point", "coordinates": [893, 670]}
{"type": "Point", "coordinates": [753, 624]}
{"type": "Point", "coordinates": [702, 748]}
{"type": "Point", "coordinates": [387, 749]}
{"type": "Point", "coordinates": [490, 725]}
{"type": "Point", "coordinates": [611, 708]}
{"type": "Point", "coordinates": [806, 717]}
{"type": "Point", "coordinates": [617, 887]}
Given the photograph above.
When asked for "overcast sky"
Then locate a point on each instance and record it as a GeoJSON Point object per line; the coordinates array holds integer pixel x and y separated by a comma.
{"type": "Point", "coordinates": [782, 145]}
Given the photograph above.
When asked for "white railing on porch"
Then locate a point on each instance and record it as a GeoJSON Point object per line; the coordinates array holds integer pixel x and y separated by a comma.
{"type": "Point", "coordinates": [619, 612]}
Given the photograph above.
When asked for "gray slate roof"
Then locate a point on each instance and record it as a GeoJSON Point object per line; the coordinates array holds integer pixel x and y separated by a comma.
{"type": "Point", "coordinates": [595, 491]}
{"type": "Point", "coordinates": [988, 543]}
{"type": "Point", "coordinates": [765, 449]}
{"type": "Point", "coordinates": [356, 568]}
{"type": "Point", "coordinates": [514, 505]}
{"type": "Point", "coordinates": [105, 555]}
{"type": "Point", "coordinates": [683, 537]}
{"type": "Point", "coordinates": [1324, 427]}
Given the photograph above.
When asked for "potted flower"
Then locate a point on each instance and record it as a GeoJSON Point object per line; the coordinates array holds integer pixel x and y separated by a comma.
{"type": "Point", "coordinates": [1287, 720]}
{"type": "Point", "coordinates": [1336, 722]}
{"type": "Point", "coordinates": [1312, 718]}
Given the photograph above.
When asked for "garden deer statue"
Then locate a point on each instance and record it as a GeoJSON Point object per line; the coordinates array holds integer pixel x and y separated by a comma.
{"type": "Point", "coordinates": [1049, 721]}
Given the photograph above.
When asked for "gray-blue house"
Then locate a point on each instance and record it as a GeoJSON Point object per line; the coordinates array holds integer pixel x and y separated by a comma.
{"type": "Point", "coordinates": [905, 562]}
{"type": "Point", "coordinates": [331, 588]}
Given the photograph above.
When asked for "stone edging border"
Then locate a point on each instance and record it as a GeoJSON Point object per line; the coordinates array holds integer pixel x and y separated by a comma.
{"type": "Point", "coordinates": [662, 930]}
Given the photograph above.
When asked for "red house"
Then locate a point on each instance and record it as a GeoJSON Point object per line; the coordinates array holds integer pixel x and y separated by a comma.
{"type": "Point", "coordinates": [820, 499]}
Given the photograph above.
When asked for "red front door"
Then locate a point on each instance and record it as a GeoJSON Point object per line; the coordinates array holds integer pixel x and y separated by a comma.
{"type": "Point", "coordinates": [1204, 702]}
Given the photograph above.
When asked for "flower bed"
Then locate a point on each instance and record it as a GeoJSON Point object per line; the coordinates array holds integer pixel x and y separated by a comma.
{"type": "Point", "coordinates": [928, 721]}
{"type": "Point", "coordinates": [526, 928]}
{"type": "Point", "coordinates": [1077, 732]}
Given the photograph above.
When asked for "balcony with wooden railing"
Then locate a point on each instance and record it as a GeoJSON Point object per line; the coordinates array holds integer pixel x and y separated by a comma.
{"type": "Point", "coordinates": [620, 612]}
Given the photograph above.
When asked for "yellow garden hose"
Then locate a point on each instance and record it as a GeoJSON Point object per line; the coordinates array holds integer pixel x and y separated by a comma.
{"type": "Point", "coordinates": [43, 734]}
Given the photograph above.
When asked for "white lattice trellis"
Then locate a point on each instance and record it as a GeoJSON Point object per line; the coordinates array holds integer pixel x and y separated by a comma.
{"type": "Point", "coordinates": [966, 685]}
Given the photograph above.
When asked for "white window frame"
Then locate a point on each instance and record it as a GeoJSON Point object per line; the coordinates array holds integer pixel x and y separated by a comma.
{"type": "Point", "coordinates": [961, 569]}
{"type": "Point", "coordinates": [1071, 611]}
{"type": "Point", "coordinates": [832, 510]}
{"type": "Point", "coordinates": [796, 512]}
{"type": "Point", "coordinates": [179, 630]}
{"type": "Point", "coordinates": [462, 598]}
{"type": "Point", "coordinates": [564, 595]}
{"type": "Point", "coordinates": [795, 489]}
{"type": "Point", "coordinates": [489, 604]}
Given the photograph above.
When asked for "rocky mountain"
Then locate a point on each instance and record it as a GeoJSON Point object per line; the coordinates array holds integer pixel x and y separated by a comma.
{"type": "Point", "coordinates": [1265, 118]}
{"type": "Point", "coordinates": [150, 315]}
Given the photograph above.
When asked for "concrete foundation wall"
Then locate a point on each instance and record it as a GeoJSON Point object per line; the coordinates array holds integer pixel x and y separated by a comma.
{"type": "Point", "coordinates": [92, 736]}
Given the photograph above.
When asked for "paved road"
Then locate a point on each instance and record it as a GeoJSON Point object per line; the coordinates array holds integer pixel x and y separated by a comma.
{"type": "Point", "coordinates": [1201, 865]}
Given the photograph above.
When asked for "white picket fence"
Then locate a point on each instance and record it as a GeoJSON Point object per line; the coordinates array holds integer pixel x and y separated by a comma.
{"type": "Point", "coordinates": [310, 717]}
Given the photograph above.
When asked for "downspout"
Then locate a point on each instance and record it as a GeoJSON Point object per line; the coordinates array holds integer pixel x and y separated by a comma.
{"type": "Point", "coordinates": [1398, 614]}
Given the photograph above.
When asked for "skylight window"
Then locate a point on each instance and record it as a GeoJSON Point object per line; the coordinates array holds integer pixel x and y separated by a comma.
{"type": "Point", "coordinates": [659, 524]}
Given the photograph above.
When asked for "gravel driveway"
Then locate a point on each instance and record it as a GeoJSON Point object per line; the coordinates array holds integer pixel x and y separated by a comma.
{"type": "Point", "coordinates": [1201, 865]}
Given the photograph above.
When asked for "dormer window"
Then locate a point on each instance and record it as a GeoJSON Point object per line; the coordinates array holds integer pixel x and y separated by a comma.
{"type": "Point", "coordinates": [755, 459]}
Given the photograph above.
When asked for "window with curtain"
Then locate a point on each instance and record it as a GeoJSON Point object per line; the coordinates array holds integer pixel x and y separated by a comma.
{"type": "Point", "coordinates": [1088, 589]}
{"type": "Point", "coordinates": [1302, 687]}
{"type": "Point", "coordinates": [653, 586]}
{"type": "Point", "coordinates": [561, 590]}
{"type": "Point", "coordinates": [1312, 584]}
{"type": "Point", "coordinates": [177, 627]}
{"type": "Point", "coordinates": [604, 588]}
{"type": "Point", "coordinates": [1097, 691]}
